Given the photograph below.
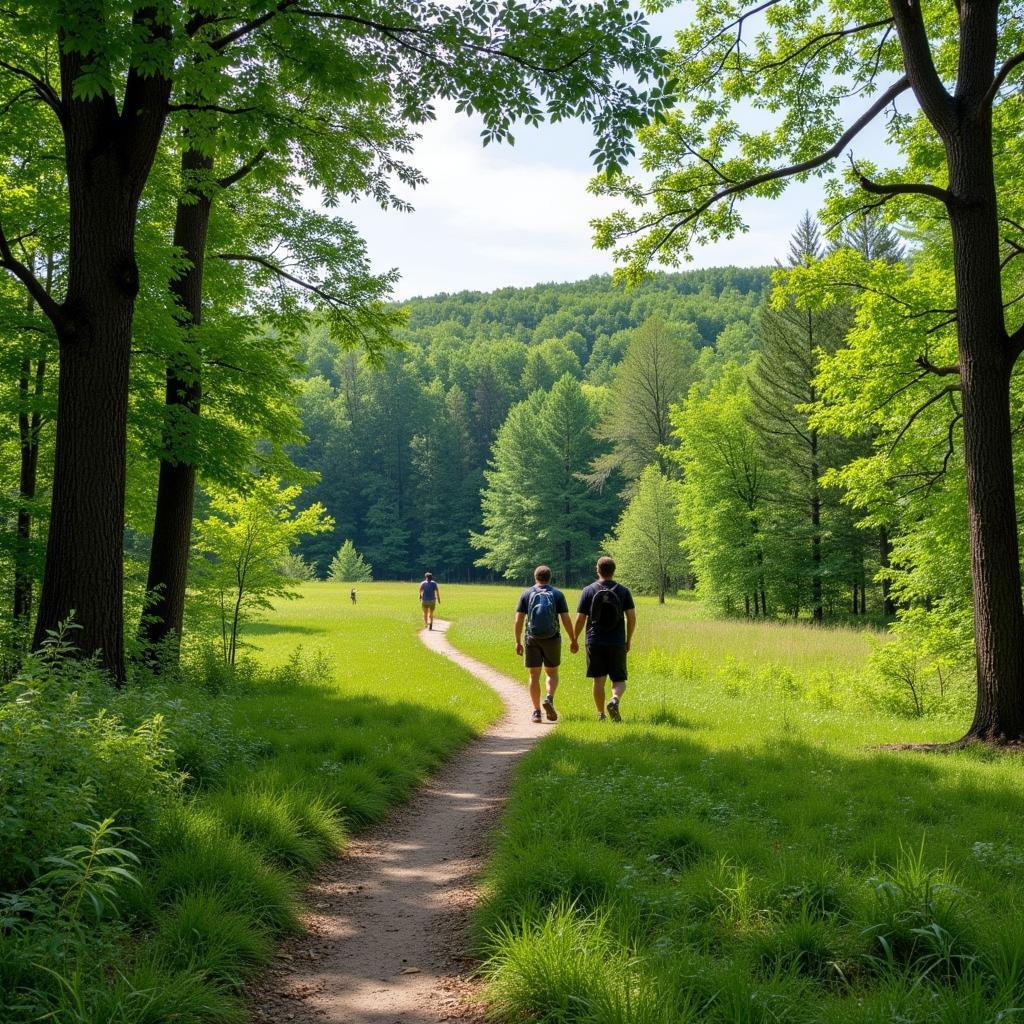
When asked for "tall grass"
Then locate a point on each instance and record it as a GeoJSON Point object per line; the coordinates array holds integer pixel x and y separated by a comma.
{"type": "Point", "coordinates": [263, 774]}
{"type": "Point", "coordinates": [740, 849]}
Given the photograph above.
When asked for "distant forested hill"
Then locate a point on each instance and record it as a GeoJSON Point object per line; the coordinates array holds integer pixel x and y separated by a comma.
{"type": "Point", "coordinates": [402, 450]}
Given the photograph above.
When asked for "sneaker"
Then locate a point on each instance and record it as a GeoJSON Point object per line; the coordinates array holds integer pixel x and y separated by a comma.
{"type": "Point", "coordinates": [535, 717]}
{"type": "Point", "coordinates": [430, 624]}
{"type": "Point", "coordinates": [600, 717]}
{"type": "Point", "coordinates": [549, 709]}
{"type": "Point", "coordinates": [613, 710]}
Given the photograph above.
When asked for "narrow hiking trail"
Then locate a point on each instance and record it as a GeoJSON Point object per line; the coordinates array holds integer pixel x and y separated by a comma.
{"type": "Point", "coordinates": [387, 925]}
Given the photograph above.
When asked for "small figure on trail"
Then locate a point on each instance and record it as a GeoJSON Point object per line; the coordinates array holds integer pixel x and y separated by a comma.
{"type": "Point", "coordinates": [608, 610]}
{"type": "Point", "coordinates": [540, 607]}
{"type": "Point", "coordinates": [352, 594]}
{"type": "Point", "coordinates": [430, 596]}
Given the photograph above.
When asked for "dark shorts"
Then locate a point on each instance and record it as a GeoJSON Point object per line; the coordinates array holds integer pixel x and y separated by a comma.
{"type": "Point", "coordinates": [607, 660]}
{"type": "Point", "coordinates": [546, 652]}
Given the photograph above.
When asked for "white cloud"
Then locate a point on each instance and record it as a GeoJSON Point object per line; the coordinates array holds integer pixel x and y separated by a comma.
{"type": "Point", "coordinates": [518, 215]}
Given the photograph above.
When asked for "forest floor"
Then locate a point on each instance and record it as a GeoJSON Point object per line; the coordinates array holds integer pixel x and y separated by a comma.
{"type": "Point", "coordinates": [387, 931]}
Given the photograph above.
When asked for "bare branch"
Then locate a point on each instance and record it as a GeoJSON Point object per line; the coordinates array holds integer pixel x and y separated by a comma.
{"type": "Point", "coordinates": [1001, 76]}
{"type": "Point", "coordinates": [902, 188]}
{"type": "Point", "coordinates": [791, 170]}
{"type": "Point", "coordinates": [8, 261]}
{"type": "Point", "coordinates": [939, 371]}
{"type": "Point", "coordinates": [949, 389]}
{"type": "Point", "coordinates": [42, 88]}
{"type": "Point", "coordinates": [329, 297]}
{"type": "Point", "coordinates": [239, 173]}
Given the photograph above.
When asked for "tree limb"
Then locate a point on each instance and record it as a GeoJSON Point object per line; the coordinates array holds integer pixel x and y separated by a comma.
{"type": "Point", "coordinates": [42, 88]}
{"type": "Point", "coordinates": [329, 297]}
{"type": "Point", "coordinates": [939, 371]}
{"type": "Point", "coordinates": [1001, 76]}
{"type": "Point", "coordinates": [240, 172]}
{"type": "Point", "coordinates": [902, 188]}
{"type": "Point", "coordinates": [32, 283]}
{"type": "Point", "coordinates": [949, 389]}
{"type": "Point", "coordinates": [894, 90]}
{"type": "Point", "coordinates": [935, 100]}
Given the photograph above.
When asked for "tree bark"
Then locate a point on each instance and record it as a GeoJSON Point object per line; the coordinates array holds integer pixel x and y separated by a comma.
{"type": "Point", "coordinates": [108, 156]}
{"type": "Point", "coordinates": [172, 523]}
{"type": "Point", "coordinates": [986, 362]}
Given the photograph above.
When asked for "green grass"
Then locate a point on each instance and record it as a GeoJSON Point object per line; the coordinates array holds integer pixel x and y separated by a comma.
{"type": "Point", "coordinates": [740, 850]}
{"type": "Point", "coordinates": [307, 749]}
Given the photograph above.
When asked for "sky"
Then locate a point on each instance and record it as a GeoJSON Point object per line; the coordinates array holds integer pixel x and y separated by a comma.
{"type": "Point", "coordinates": [519, 215]}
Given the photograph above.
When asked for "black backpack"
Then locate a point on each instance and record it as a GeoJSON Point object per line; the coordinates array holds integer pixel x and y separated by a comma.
{"type": "Point", "coordinates": [606, 614]}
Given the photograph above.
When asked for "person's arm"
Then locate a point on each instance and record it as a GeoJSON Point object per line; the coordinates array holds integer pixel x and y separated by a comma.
{"type": "Point", "coordinates": [437, 593]}
{"type": "Point", "coordinates": [520, 619]}
{"type": "Point", "coordinates": [421, 591]}
{"type": "Point", "coordinates": [581, 619]}
{"type": "Point", "coordinates": [630, 626]}
{"type": "Point", "coordinates": [568, 627]}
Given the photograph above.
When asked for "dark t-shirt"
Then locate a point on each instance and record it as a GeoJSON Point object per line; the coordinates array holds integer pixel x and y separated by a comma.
{"type": "Point", "coordinates": [428, 590]}
{"type": "Point", "coordinates": [616, 637]}
{"type": "Point", "coordinates": [523, 607]}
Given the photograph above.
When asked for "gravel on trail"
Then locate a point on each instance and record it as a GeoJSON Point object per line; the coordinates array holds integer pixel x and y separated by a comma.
{"type": "Point", "coordinates": [385, 936]}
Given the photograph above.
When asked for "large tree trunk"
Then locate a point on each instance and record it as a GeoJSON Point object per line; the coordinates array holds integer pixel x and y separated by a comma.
{"type": "Point", "coordinates": [172, 523]}
{"type": "Point", "coordinates": [986, 362]}
{"type": "Point", "coordinates": [109, 154]}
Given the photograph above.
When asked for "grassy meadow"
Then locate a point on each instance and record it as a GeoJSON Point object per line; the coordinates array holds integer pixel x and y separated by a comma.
{"type": "Point", "coordinates": [228, 791]}
{"type": "Point", "coordinates": [739, 849]}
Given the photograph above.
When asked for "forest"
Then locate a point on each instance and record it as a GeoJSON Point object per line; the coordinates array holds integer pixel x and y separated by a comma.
{"type": "Point", "coordinates": [226, 450]}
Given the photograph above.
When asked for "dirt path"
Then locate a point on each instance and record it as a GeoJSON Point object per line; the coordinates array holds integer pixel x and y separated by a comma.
{"type": "Point", "coordinates": [386, 933]}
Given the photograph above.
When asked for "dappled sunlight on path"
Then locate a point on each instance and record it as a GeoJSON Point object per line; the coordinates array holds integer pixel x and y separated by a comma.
{"type": "Point", "coordinates": [386, 936]}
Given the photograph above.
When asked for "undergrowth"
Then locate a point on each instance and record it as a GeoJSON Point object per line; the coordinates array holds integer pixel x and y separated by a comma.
{"type": "Point", "coordinates": [154, 840]}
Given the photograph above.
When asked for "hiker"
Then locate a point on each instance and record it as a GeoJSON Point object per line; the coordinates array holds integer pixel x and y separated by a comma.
{"type": "Point", "coordinates": [430, 596]}
{"type": "Point", "coordinates": [540, 607]}
{"type": "Point", "coordinates": [352, 594]}
{"type": "Point", "coordinates": [608, 610]}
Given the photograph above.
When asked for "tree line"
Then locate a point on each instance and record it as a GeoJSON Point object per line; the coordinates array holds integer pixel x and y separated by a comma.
{"type": "Point", "coordinates": [156, 249]}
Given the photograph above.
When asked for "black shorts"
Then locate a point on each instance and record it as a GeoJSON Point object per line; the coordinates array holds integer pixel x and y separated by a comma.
{"type": "Point", "coordinates": [546, 651]}
{"type": "Point", "coordinates": [606, 660]}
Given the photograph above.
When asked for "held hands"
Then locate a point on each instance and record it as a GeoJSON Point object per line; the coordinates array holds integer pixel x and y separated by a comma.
{"type": "Point", "coordinates": [573, 646]}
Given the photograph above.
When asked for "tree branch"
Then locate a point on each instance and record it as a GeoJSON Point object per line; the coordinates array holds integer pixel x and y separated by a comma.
{"type": "Point", "coordinates": [329, 297]}
{"type": "Point", "coordinates": [1001, 76]}
{"type": "Point", "coordinates": [239, 173]}
{"type": "Point", "coordinates": [789, 171]}
{"type": "Point", "coordinates": [939, 371]}
{"type": "Point", "coordinates": [902, 188]}
{"type": "Point", "coordinates": [949, 389]}
{"type": "Point", "coordinates": [42, 88]}
{"type": "Point", "coordinates": [32, 283]}
{"type": "Point", "coordinates": [935, 100]}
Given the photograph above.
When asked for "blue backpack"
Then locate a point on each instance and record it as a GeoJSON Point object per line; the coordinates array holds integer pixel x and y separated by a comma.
{"type": "Point", "coordinates": [541, 615]}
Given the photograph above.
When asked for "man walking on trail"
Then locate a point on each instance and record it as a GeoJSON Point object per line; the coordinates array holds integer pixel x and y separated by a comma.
{"type": "Point", "coordinates": [430, 597]}
{"type": "Point", "coordinates": [540, 607]}
{"type": "Point", "coordinates": [608, 610]}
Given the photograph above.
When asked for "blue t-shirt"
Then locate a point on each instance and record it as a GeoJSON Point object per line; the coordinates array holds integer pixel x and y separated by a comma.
{"type": "Point", "coordinates": [615, 637]}
{"type": "Point", "coordinates": [428, 590]}
{"type": "Point", "coordinates": [523, 607]}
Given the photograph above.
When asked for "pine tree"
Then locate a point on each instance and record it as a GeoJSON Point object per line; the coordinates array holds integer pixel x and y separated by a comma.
{"type": "Point", "coordinates": [348, 566]}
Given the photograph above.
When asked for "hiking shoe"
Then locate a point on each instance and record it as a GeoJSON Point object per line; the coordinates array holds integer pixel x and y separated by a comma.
{"type": "Point", "coordinates": [549, 709]}
{"type": "Point", "coordinates": [613, 710]}
{"type": "Point", "coordinates": [600, 717]}
{"type": "Point", "coordinates": [430, 624]}
{"type": "Point", "coordinates": [535, 717]}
